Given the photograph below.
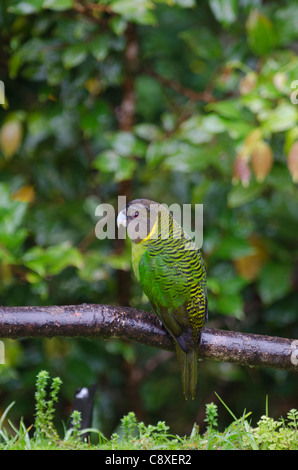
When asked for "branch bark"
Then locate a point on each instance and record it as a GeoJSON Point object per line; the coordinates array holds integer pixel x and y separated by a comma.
{"type": "Point", "coordinates": [129, 324]}
{"type": "Point", "coordinates": [192, 95]}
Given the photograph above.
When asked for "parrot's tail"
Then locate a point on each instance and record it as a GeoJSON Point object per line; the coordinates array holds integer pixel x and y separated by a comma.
{"type": "Point", "coordinates": [189, 368]}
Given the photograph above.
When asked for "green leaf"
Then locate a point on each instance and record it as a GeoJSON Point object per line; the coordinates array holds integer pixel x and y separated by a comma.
{"type": "Point", "coordinates": [225, 294]}
{"type": "Point", "coordinates": [139, 11]}
{"type": "Point", "coordinates": [150, 97]}
{"type": "Point", "coordinates": [74, 55]}
{"type": "Point", "coordinates": [198, 129]}
{"type": "Point", "coordinates": [225, 11]}
{"type": "Point", "coordinates": [111, 162]}
{"type": "Point", "coordinates": [154, 154]}
{"type": "Point", "coordinates": [237, 129]}
{"type": "Point", "coordinates": [25, 7]}
{"type": "Point", "coordinates": [232, 248]}
{"type": "Point", "coordinates": [30, 51]}
{"type": "Point", "coordinates": [99, 47]}
{"type": "Point", "coordinates": [52, 260]}
{"type": "Point", "coordinates": [185, 157]}
{"type": "Point", "coordinates": [275, 281]}
{"type": "Point", "coordinates": [285, 21]}
{"type": "Point", "coordinates": [93, 120]}
{"type": "Point", "coordinates": [231, 109]}
{"type": "Point", "coordinates": [58, 5]}
{"type": "Point", "coordinates": [212, 123]}
{"type": "Point", "coordinates": [192, 131]}
{"type": "Point", "coordinates": [231, 304]}
{"type": "Point", "coordinates": [147, 131]}
{"type": "Point", "coordinates": [123, 143]}
{"type": "Point", "coordinates": [36, 259]}
{"type": "Point", "coordinates": [182, 3]}
{"type": "Point", "coordinates": [118, 25]}
{"type": "Point", "coordinates": [261, 35]}
{"type": "Point", "coordinates": [283, 117]}
{"type": "Point", "coordinates": [240, 195]}
{"type": "Point", "coordinates": [202, 43]}
{"type": "Point", "coordinates": [290, 138]}
{"type": "Point", "coordinates": [12, 214]}
{"type": "Point", "coordinates": [62, 256]}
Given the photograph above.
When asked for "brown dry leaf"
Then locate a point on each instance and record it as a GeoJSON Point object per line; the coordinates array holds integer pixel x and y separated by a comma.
{"type": "Point", "coordinates": [262, 160]}
{"type": "Point", "coordinates": [293, 161]}
{"type": "Point", "coordinates": [241, 171]}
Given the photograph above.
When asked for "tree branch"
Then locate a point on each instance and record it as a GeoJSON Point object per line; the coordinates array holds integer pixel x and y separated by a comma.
{"type": "Point", "coordinates": [192, 95]}
{"type": "Point", "coordinates": [106, 322]}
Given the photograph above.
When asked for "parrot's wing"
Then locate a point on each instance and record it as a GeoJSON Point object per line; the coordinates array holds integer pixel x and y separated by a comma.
{"type": "Point", "coordinates": [175, 284]}
{"type": "Point", "coordinates": [165, 285]}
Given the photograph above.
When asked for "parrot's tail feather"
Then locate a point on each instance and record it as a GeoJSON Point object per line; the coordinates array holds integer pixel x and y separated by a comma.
{"type": "Point", "coordinates": [188, 363]}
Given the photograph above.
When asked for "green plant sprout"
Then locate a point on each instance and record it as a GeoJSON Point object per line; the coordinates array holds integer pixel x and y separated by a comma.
{"type": "Point", "coordinates": [45, 409]}
{"type": "Point", "coordinates": [268, 434]}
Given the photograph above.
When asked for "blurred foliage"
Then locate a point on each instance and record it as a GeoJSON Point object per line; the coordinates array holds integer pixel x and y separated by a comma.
{"type": "Point", "coordinates": [214, 120]}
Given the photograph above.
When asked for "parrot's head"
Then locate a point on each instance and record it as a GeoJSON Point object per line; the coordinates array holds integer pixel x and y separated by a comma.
{"type": "Point", "coordinates": [139, 217]}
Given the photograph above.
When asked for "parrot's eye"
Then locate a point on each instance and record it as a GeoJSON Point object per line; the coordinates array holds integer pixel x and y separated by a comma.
{"type": "Point", "coordinates": [136, 214]}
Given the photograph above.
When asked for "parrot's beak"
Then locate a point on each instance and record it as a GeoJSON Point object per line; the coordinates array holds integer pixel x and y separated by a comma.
{"type": "Point", "coordinates": [121, 219]}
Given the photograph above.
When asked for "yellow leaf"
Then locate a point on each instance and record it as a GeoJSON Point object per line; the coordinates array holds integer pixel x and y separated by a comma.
{"type": "Point", "coordinates": [251, 141]}
{"type": "Point", "coordinates": [11, 134]}
{"type": "Point", "coordinates": [5, 272]}
{"type": "Point", "coordinates": [250, 266]}
{"type": "Point", "coordinates": [24, 194]}
{"type": "Point", "coordinates": [262, 160]}
{"type": "Point", "coordinates": [93, 86]}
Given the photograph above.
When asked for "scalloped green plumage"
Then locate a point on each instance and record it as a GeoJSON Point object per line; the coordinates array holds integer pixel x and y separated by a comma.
{"type": "Point", "coordinates": [172, 274]}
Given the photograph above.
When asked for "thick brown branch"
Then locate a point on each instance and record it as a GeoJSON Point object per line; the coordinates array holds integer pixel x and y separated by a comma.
{"type": "Point", "coordinates": [105, 322]}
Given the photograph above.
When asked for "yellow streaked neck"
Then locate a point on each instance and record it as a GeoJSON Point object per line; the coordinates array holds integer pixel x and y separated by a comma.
{"type": "Point", "coordinates": [151, 232]}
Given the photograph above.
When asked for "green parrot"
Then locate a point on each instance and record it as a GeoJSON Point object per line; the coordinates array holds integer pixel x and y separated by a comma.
{"type": "Point", "coordinates": [172, 274]}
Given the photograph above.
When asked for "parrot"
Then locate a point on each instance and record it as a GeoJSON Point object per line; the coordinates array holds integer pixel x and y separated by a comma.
{"type": "Point", "coordinates": [171, 272]}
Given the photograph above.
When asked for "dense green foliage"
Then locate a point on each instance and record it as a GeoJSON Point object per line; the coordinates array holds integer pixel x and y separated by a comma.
{"type": "Point", "coordinates": [178, 101]}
